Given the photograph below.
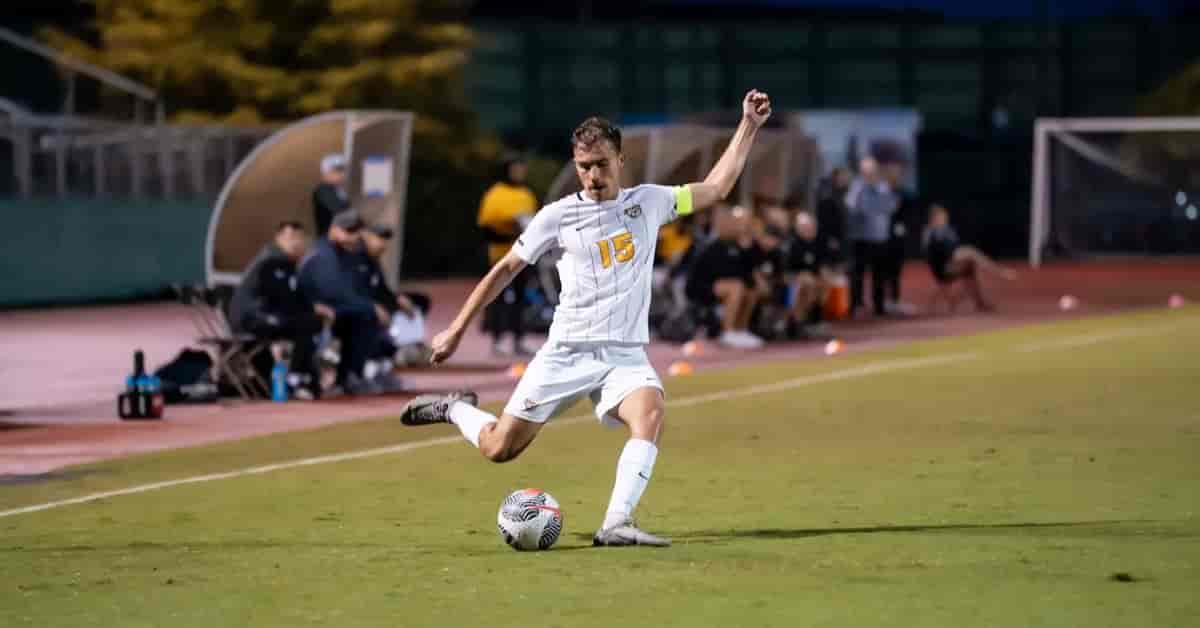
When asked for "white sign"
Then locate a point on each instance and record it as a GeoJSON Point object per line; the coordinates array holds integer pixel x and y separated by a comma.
{"type": "Point", "coordinates": [376, 176]}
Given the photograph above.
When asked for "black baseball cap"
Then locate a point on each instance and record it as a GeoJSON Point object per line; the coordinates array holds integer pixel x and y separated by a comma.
{"type": "Point", "coordinates": [348, 220]}
{"type": "Point", "coordinates": [382, 231]}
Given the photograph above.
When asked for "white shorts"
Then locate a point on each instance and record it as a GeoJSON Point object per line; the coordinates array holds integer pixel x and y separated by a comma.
{"type": "Point", "coordinates": [561, 374]}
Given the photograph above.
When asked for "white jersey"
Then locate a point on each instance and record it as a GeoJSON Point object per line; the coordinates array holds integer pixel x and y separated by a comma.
{"type": "Point", "coordinates": [607, 264]}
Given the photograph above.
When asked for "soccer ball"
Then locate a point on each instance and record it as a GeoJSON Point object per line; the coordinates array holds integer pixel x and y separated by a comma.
{"type": "Point", "coordinates": [530, 519]}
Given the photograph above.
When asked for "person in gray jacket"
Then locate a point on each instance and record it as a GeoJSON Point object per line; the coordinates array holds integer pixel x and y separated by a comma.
{"type": "Point", "coordinates": [870, 203]}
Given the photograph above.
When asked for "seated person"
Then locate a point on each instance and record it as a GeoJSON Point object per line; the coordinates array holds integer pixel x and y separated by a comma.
{"type": "Point", "coordinates": [768, 257]}
{"type": "Point", "coordinates": [406, 310]}
{"type": "Point", "coordinates": [723, 273]}
{"type": "Point", "coordinates": [329, 275]}
{"type": "Point", "coordinates": [954, 262]}
{"type": "Point", "coordinates": [810, 272]}
{"type": "Point", "coordinates": [268, 305]}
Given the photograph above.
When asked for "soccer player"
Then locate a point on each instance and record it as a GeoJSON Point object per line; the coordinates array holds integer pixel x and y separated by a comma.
{"type": "Point", "coordinates": [595, 347]}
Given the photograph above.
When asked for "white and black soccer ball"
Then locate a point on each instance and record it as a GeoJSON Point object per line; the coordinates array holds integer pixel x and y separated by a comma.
{"type": "Point", "coordinates": [530, 519]}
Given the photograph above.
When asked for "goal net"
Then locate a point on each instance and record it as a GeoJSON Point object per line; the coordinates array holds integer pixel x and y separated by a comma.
{"type": "Point", "coordinates": [1115, 186]}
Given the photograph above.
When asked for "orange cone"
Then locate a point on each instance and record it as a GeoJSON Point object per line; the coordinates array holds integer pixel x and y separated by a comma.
{"type": "Point", "coordinates": [680, 368]}
{"type": "Point", "coordinates": [692, 348]}
{"type": "Point", "coordinates": [516, 370]}
{"type": "Point", "coordinates": [834, 347]}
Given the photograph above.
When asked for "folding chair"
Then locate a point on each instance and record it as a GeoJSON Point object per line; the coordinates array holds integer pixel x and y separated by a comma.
{"type": "Point", "coordinates": [233, 353]}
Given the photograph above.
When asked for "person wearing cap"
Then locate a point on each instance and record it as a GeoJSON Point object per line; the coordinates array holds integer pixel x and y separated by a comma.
{"type": "Point", "coordinates": [329, 275]}
{"type": "Point", "coordinates": [505, 210]}
{"type": "Point", "coordinates": [406, 310]}
{"type": "Point", "coordinates": [329, 198]}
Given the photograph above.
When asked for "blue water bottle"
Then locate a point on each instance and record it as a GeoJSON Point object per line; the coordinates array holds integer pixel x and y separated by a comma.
{"type": "Point", "coordinates": [279, 387]}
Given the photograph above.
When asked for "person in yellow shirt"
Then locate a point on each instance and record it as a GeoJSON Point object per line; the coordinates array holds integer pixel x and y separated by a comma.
{"type": "Point", "coordinates": [504, 211]}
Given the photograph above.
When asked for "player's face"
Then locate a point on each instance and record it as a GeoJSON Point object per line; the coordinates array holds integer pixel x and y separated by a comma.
{"type": "Point", "coordinates": [938, 217]}
{"type": "Point", "coordinates": [599, 170]}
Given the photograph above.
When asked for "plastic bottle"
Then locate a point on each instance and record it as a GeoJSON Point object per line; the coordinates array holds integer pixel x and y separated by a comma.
{"type": "Point", "coordinates": [279, 386]}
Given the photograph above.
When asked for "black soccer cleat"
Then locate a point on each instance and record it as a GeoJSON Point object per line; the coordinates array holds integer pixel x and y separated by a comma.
{"type": "Point", "coordinates": [430, 409]}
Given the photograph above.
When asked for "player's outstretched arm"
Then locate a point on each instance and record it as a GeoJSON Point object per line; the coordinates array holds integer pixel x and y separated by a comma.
{"type": "Point", "coordinates": [756, 108]}
{"type": "Point", "coordinates": [486, 291]}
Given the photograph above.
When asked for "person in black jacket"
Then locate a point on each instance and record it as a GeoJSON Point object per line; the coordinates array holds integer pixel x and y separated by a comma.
{"type": "Point", "coordinates": [831, 215]}
{"type": "Point", "coordinates": [952, 261]}
{"type": "Point", "coordinates": [329, 198]}
{"type": "Point", "coordinates": [268, 304]}
{"type": "Point", "coordinates": [329, 275]}
{"type": "Point", "coordinates": [411, 306]}
{"type": "Point", "coordinates": [723, 272]}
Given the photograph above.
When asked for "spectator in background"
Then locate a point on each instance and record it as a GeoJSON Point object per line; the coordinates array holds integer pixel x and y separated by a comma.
{"type": "Point", "coordinates": [777, 217]}
{"type": "Point", "coordinates": [897, 245]}
{"type": "Point", "coordinates": [268, 304]}
{"type": "Point", "coordinates": [330, 275]}
{"type": "Point", "coordinates": [505, 210]}
{"type": "Point", "coordinates": [406, 311]}
{"type": "Point", "coordinates": [831, 215]}
{"type": "Point", "coordinates": [952, 261]}
{"type": "Point", "coordinates": [769, 258]}
{"type": "Point", "coordinates": [723, 273]}
{"type": "Point", "coordinates": [809, 272]}
{"type": "Point", "coordinates": [870, 203]}
{"type": "Point", "coordinates": [330, 198]}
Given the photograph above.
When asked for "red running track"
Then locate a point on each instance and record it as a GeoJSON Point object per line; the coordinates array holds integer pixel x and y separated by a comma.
{"type": "Point", "coordinates": [62, 368]}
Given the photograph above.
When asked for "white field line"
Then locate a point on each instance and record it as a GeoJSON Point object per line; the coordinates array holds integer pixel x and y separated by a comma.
{"type": "Point", "coordinates": [789, 384]}
{"type": "Point", "coordinates": [1091, 339]}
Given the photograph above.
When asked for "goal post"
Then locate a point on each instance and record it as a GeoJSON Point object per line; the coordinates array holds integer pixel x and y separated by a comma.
{"type": "Point", "coordinates": [1121, 186]}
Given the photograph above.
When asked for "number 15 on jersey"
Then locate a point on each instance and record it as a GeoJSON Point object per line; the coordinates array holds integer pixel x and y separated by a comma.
{"type": "Point", "coordinates": [621, 244]}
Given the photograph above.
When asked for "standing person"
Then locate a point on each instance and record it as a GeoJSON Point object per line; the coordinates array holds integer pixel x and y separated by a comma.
{"type": "Point", "coordinates": [504, 212]}
{"type": "Point", "coordinates": [831, 215]}
{"type": "Point", "coordinates": [870, 203]}
{"type": "Point", "coordinates": [268, 304]}
{"type": "Point", "coordinates": [897, 245]}
{"type": "Point", "coordinates": [952, 261]}
{"type": "Point", "coordinates": [595, 348]}
{"type": "Point", "coordinates": [329, 198]}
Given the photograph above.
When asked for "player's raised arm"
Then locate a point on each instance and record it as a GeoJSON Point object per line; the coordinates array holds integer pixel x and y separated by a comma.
{"type": "Point", "coordinates": [756, 108]}
{"type": "Point", "coordinates": [485, 292]}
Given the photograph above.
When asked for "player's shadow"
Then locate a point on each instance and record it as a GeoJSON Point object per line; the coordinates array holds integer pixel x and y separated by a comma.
{"type": "Point", "coordinates": [717, 536]}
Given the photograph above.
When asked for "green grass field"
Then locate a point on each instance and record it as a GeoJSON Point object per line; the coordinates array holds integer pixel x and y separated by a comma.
{"type": "Point", "coordinates": [995, 480]}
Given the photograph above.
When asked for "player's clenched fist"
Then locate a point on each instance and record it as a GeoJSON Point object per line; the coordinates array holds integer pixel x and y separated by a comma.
{"type": "Point", "coordinates": [756, 107]}
{"type": "Point", "coordinates": [444, 345]}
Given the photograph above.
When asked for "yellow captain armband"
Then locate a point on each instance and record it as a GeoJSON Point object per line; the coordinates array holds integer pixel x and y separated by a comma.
{"type": "Point", "coordinates": [683, 200]}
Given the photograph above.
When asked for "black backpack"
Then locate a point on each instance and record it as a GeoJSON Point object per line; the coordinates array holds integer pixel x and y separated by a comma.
{"type": "Point", "coordinates": [188, 378]}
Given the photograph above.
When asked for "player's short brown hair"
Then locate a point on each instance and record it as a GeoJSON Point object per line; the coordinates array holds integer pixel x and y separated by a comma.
{"type": "Point", "coordinates": [595, 129]}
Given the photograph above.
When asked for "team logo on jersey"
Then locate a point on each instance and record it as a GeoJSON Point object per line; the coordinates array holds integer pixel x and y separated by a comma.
{"type": "Point", "coordinates": [530, 404]}
{"type": "Point", "coordinates": [633, 212]}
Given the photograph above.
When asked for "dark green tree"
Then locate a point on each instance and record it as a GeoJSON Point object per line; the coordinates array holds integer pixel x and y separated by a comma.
{"type": "Point", "coordinates": [248, 61]}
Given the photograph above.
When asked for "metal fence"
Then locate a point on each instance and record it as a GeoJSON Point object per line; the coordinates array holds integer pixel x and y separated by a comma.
{"type": "Point", "coordinates": [75, 157]}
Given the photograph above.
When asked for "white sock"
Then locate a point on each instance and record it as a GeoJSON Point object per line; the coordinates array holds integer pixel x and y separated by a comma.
{"type": "Point", "coordinates": [470, 420]}
{"type": "Point", "coordinates": [634, 468]}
